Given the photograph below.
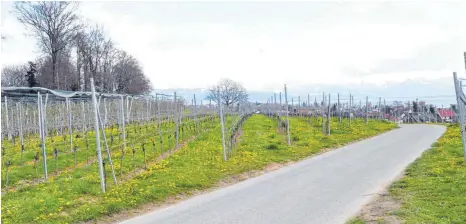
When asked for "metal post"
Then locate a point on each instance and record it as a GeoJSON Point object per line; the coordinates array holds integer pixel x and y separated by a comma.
{"type": "Point", "coordinates": [460, 100]}
{"type": "Point", "coordinates": [106, 146]}
{"type": "Point", "coordinates": [350, 106]}
{"type": "Point", "coordinates": [308, 100]}
{"type": "Point", "coordinates": [222, 126]}
{"type": "Point", "coordinates": [41, 132]}
{"type": "Point", "coordinates": [367, 109]}
{"type": "Point", "coordinates": [20, 127]}
{"type": "Point", "coordinates": [70, 130]}
{"type": "Point", "coordinates": [45, 113]}
{"type": "Point", "coordinates": [280, 96]}
{"type": "Point", "coordinates": [339, 109]}
{"type": "Point", "coordinates": [176, 119]}
{"type": "Point", "coordinates": [328, 116]}
{"type": "Point", "coordinates": [7, 120]}
{"type": "Point", "coordinates": [196, 115]}
{"type": "Point", "coordinates": [323, 113]}
{"type": "Point", "coordinates": [105, 113]}
{"type": "Point", "coordinates": [287, 119]}
{"type": "Point", "coordinates": [379, 110]}
{"type": "Point", "coordinates": [97, 137]}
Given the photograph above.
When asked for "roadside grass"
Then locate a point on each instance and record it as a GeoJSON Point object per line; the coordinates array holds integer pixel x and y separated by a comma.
{"type": "Point", "coordinates": [434, 188]}
{"type": "Point", "coordinates": [75, 196]}
{"type": "Point", "coordinates": [356, 221]}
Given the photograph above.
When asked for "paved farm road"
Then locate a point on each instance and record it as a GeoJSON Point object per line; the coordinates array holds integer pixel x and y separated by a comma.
{"type": "Point", "coordinates": [328, 188]}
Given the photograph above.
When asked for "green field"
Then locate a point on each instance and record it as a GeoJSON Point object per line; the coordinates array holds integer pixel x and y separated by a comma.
{"type": "Point", "coordinates": [75, 196]}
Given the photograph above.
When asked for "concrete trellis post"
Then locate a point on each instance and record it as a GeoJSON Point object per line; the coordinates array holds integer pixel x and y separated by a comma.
{"type": "Point", "coordinates": [97, 137]}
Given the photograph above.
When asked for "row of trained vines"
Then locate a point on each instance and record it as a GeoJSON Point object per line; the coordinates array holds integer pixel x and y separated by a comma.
{"type": "Point", "coordinates": [47, 133]}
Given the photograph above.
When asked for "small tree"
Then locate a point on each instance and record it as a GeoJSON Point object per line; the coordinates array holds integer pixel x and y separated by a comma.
{"type": "Point", "coordinates": [415, 106]}
{"type": "Point", "coordinates": [31, 74]}
{"type": "Point", "coordinates": [454, 108]}
{"type": "Point", "coordinates": [228, 92]}
{"type": "Point", "coordinates": [432, 109]}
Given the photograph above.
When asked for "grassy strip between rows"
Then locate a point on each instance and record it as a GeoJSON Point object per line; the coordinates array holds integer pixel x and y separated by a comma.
{"type": "Point", "coordinates": [197, 166]}
{"type": "Point", "coordinates": [433, 189]}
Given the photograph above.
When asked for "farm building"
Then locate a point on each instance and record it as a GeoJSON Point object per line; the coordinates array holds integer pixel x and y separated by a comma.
{"type": "Point", "coordinates": [447, 115]}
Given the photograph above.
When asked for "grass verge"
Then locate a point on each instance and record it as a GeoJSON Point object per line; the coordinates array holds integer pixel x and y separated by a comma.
{"type": "Point", "coordinates": [433, 188]}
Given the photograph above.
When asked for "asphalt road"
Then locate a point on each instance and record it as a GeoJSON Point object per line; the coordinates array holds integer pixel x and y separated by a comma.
{"type": "Point", "coordinates": [329, 188]}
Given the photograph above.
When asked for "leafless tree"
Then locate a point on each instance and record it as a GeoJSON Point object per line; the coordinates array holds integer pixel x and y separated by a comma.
{"type": "Point", "coordinates": [54, 23]}
{"type": "Point", "coordinates": [93, 51]}
{"type": "Point", "coordinates": [228, 91]}
{"type": "Point", "coordinates": [14, 75]}
{"type": "Point", "coordinates": [128, 75]}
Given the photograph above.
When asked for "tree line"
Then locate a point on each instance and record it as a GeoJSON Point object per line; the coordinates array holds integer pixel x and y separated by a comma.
{"type": "Point", "coordinates": [73, 52]}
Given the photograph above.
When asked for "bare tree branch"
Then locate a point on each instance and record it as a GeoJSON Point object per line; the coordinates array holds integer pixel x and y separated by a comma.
{"type": "Point", "coordinates": [53, 23]}
{"type": "Point", "coordinates": [231, 92]}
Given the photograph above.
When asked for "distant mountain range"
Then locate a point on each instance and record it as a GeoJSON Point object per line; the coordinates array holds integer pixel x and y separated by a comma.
{"type": "Point", "coordinates": [436, 92]}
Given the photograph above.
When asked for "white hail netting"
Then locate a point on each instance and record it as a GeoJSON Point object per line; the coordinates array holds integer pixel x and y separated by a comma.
{"type": "Point", "coordinates": [138, 130]}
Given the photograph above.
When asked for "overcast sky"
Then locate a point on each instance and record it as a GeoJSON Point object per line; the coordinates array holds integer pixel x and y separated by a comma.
{"type": "Point", "coordinates": [266, 44]}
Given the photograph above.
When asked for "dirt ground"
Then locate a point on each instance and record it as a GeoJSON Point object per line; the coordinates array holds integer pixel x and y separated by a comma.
{"type": "Point", "coordinates": [381, 208]}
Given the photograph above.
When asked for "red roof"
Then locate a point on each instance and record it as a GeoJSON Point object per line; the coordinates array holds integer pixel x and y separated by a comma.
{"type": "Point", "coordinates": [446, 112]}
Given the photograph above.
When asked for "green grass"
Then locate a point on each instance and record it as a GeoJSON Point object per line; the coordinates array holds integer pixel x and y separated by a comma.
{"type": "Point", "coordinates": [75, 196]}
{"type": "Point", "coordinates": [434, 188]}
{"type": "Point", "coordinates": [356, 221]}
{"type": "Point", "coordinates": [23, 169]}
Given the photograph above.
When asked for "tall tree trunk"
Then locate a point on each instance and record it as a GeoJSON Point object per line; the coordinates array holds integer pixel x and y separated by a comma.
{"type": "Point", "coordinates": [54, 70]}
{"type": "Point", "coordinates": [79, 78]}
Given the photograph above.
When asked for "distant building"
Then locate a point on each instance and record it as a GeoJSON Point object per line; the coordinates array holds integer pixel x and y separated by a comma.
{"type": "Point", "coordinates": [447, 115]}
